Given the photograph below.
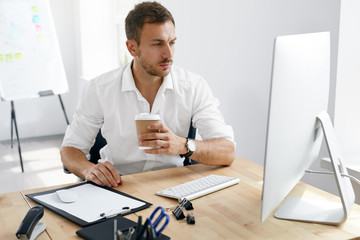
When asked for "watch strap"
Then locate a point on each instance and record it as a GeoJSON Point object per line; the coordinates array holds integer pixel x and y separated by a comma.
{"type": "Point", "coordinates": [189, 153]}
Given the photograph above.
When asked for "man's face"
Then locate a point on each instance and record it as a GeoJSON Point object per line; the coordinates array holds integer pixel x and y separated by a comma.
{"type": "Point", "coordinates": [157, 47]}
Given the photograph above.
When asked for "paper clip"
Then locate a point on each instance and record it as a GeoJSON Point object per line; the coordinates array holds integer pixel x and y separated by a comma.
{"type": "Point", "coordinates": [181, 210]}
{"type": "Point", "coordinates": [184, 203]}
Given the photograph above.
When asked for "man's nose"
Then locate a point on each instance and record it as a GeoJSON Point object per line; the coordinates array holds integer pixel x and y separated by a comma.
{"type": "Point", "coordinates": [168, 51]}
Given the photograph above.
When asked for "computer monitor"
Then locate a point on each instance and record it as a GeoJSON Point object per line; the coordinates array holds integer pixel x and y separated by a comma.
{"type": "Point", "coordinates": [297, 116]}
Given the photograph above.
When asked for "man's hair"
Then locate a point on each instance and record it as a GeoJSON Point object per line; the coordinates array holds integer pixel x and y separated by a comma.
{"type": "Point", "coordinates": [146, 12]}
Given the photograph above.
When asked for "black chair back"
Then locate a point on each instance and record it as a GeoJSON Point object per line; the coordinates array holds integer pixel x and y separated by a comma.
{"type": "Point", "coordinates": [191, 134]}
{"type": "Point", "coordinates": [94, 152]}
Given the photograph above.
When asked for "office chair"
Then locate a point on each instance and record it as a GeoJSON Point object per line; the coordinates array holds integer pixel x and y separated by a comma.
{"type": "Point", "coordinates": [191, 134]}
{"type": "Point", "coordinates": [94, 152]}
{"type": "Point", "coordinates": [100, 142]}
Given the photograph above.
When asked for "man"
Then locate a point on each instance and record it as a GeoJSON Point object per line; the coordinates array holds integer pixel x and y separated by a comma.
{"type": "Point", "coordinates": [151, 84]}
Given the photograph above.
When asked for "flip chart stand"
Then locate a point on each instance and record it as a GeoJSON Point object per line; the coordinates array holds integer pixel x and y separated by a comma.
{"type": "Point", "coordinates": [14, 124]}
{"type": "Point", "coordinates": [63, 108]}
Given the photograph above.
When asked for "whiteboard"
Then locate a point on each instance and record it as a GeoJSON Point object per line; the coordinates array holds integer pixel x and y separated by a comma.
{"type": "Point", "coordinates": [30, 60]}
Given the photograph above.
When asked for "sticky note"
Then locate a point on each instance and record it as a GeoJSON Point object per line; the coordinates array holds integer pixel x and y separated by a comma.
{"type": "Point", "coordinates": [18, 56]}
{"type": "Point", "coordinates": [40, 38]}
{"type": "Point", "coordinates": [9, 57]}
{"type": "Point", "coordinates": [34, 9]}
{"type": "Point", "coordinates": [2, 58]}
{"type": "Point", "coordinates": [36, 19]}
{"type": "Point", "coordinates": [38, 28]}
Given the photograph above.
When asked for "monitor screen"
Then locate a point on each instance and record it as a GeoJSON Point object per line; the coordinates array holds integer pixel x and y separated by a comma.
{"type": "Point", "coordinates": [299, 92]}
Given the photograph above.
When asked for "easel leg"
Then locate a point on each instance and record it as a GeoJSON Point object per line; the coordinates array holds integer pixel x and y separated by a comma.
{"type": "Point", "coordinates": [13, 121]}
{"type": "Point", "coordinates": [63, 108]}
{"type": "Point", "coordinates": [12, 125]}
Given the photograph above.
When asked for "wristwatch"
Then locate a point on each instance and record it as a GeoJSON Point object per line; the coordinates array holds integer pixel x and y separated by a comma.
{"type": "Point", "coordinates": [191, 147]}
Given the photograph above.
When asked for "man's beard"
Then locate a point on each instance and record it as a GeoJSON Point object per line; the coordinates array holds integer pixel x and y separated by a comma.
{"type": "Point", "coordinates": [151, 70]}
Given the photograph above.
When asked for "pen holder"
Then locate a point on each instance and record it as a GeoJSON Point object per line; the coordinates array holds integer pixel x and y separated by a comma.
{"type": "Point", "coordinates": [147, 235]}
{"type": "Point", "coordinates": [151, 229]}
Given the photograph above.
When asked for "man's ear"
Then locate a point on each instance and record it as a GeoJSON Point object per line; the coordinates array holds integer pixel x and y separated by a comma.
{"type": "Point", "coordinates": [132, 47]}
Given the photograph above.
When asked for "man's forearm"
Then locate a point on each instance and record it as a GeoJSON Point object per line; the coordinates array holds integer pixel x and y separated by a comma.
{"type": "Point", "coordinates": [104, 174]}
{"type": "Point", "coordinates": [219, 151]}
{"type": "Point", "coordinates": [75, 161]}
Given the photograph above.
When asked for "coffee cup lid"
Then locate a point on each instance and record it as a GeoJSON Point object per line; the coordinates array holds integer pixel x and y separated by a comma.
{"type": "Point", "coordinates": [147, 116]}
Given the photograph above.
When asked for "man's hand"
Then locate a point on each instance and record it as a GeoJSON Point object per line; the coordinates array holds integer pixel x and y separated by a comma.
{"type": "Point", "coordinates": [104, 174]}
{"type": "Point", "coordinates": [217, 151]}
{"type": "Point", "coordinates": [163, 137]}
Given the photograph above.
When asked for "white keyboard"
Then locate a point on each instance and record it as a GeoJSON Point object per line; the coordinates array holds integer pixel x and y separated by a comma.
{"type": "Point", "coordinates": [199, 187]}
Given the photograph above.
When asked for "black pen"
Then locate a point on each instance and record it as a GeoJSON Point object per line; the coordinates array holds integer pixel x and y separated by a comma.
{"type": "Point", "coordinates": [139, 237]}
{"type": "Point", "coordinates": [138, 226]}
{"type": "Point", "coordinates": [150, 232]}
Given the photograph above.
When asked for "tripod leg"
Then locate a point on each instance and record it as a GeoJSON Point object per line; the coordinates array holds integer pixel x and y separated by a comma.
{"type": "Point", "coordinates": [17, 134]}
{"type": "Point", "coordinates": [12, 124]}
{"type": "Point", "coordinates": [63, 108]}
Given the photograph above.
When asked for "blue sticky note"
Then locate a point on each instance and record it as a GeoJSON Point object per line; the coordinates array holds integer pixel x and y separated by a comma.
{"type": "Point", "coordinates": [36, 19]}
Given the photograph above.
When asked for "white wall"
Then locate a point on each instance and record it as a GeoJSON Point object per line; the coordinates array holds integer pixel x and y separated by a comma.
{"type": "Point", "coordinates": [347, 111]}
{"type": "Point", "coordinates": [230, 43]}
{"type": "Point", "coordinates": [44, 116]}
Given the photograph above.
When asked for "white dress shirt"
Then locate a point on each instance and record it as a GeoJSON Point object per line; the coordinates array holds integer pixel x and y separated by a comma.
{"type": "Point", "coordinates": [111, 101]}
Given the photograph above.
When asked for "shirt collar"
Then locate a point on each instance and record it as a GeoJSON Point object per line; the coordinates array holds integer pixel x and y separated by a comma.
{"type": "Point", "coordinates": [128, 82]}
{"type": "Point", "coordinates": [168, 82]}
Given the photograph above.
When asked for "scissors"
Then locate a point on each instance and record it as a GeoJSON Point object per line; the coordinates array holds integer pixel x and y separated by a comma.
{"type": "Point", "coordinates": [154, 222]}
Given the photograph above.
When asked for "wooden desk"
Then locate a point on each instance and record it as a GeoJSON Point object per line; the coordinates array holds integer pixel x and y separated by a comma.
{"type": "Point", "coordinates": [233, 213]}
{"type": "Point", "coordinates": [13, 207]}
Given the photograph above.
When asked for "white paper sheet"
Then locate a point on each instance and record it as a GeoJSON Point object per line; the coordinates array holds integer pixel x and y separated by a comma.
{"type": "Point", "coordinates": [92, 201]}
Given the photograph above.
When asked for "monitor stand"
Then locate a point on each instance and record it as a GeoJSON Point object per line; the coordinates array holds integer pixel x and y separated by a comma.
{"type": "Point", "coordinates": [322, 211]}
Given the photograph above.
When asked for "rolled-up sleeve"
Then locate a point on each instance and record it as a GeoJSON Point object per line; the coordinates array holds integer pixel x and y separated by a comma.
{"type": "Point", "coordinates": [87, 121]}
{"type": "Point", "coordinates": [207, 118]}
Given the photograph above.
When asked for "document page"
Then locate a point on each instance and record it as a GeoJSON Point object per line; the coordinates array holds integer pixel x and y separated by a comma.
{"type": "Point", "coordinates": [92, 201]}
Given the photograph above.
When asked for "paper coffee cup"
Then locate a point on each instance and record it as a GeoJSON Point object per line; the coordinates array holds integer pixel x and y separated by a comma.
{"type": "Point", "coordinates": [142, 121]}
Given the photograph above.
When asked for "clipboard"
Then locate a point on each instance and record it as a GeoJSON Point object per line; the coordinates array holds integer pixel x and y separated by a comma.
{"type": "Point", "coordinates": [93, 201]}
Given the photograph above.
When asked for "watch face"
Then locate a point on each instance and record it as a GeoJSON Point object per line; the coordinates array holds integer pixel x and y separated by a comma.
{"type": "Point", "coordinates": [191, 145]}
